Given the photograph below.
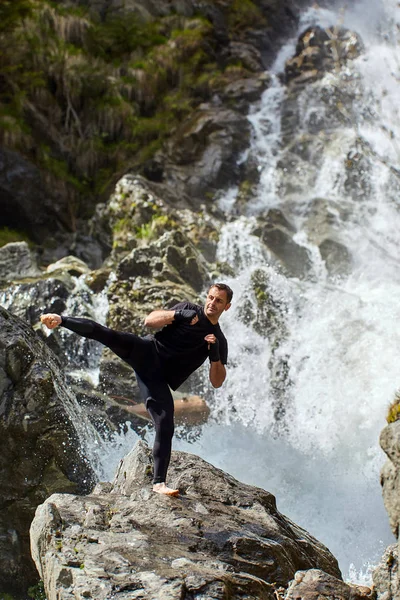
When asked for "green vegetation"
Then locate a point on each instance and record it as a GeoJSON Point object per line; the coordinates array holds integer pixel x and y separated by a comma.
{"type": "Point", "coordinates": [394, 409]}
{"type": "Point", "coordinates": [37, 591]}
{"type": "Point", "coordinates": [86, 99]}
{"type": "Point", "coordinates": [11, 235]}
{"type": "Point", "coordinates": [156, 227]}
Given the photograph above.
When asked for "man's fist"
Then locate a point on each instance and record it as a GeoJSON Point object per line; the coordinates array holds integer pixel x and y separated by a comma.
{"type": "Point", "coordinates": [184, 315]}
{"type": "Point", "coordinates": [51, 320]}
{"type": "Point", "coordinates": [213, 347]}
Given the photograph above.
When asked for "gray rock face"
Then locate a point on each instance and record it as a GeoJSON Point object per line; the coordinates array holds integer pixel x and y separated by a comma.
{"type": "Point", "coordinates": [277, 234]}
{"type": "Point", "coordinates": [23, 202]}
{"type": "Point", "coordinates": [17, 261]}
{"type": "Point", "coordinates": [41, 447]}
{"type": "Point", "coordinates": [390, 477]}
{"type": "Point", "coordinates": [171, 258]}
{"type": "Point", "coordinates": [220, 539]}
{"type": "Point", "coordinates": [202, 155]}
{"type": "Point", "coordinates": [317, 585]}
{"type": "Point", "coordinates": [386, 575]}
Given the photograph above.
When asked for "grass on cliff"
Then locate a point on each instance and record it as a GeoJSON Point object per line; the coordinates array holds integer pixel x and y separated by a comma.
{"type": "Point", "coordinates": [394, 409]}
{"type": "Point", "coordinates": [85, 98]}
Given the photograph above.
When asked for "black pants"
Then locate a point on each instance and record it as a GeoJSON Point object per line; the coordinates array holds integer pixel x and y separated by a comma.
{"type": "Point", "coordinates": [140, 353]}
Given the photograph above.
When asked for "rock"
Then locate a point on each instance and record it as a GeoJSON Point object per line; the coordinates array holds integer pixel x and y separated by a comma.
{"type": "Point", "coordinates": [97, 280]}
{"type": "Point", "coordinates": [245, 54]}
{"type": "Point", "coordinates": [321, 50]}
{"type": "Point", "coordinates": [277, 234]}
{"type": "Point", "coordinates": [220, 539]}
{"type": "Point", "coordinates": [317, 585]}
{"type": "Point", "coordinates": [324, 219]}
{"type": "Point", "coordinates": [70, 264]}
{"type": "Point", "coordinates": [25, 202]}
{"type": "Point", "coordinates": [41, 429]}
{"type": "Point", "coordinates": [17, 262]}
{"type": "Point", "coordinates": [386, 575]}
{"type": "Point", "coordinates": [261, 307]}
{"type": "Point", "coordinates": [171, 258]}
{"type": "Point", "coordinates": [29, 300]}
{"type": "Point", "coordinates": [245, 91]}
{"type": "Point", "coordinates": [336, 256]}
{"type": "Point", "coordinates": [390, 476]}
{"type": "Point", "coordinates": [88, 247]}
{"type": "Point", "coordinates": [202, 155]}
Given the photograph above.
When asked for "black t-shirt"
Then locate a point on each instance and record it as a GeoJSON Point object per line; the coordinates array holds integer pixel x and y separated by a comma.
{"type": "Point", "coordinates": [182, 348]}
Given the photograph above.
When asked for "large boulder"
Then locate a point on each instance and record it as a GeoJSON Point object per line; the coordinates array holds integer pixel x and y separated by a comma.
{"type": "Point", "coordinates": [42, 432]}
{"type": "Point", "coordinates": [220, 539]}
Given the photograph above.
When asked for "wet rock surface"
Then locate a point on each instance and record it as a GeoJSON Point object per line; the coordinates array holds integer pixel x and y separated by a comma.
{"type": "Point", "coordinates": [319, 51]}
{"type": "Point", "coordinates": [386, 575]}
{"type": "Point", "coordinates": [42, 429]}
{"type": "Point", "coordinates": [317, 585]}
{"type": "Point", "coordinates": [219, 539]}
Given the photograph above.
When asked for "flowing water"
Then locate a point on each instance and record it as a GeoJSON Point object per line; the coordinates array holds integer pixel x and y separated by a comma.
{"type": "Point", "coordinates": [313, 440]}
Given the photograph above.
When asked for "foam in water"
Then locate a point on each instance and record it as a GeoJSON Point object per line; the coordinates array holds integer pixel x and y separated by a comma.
{"type": "Point", "coordinates": [323, 461]}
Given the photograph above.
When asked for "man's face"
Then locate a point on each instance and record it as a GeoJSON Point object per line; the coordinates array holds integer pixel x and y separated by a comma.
{"type": "Point", "coordinates": [216, 304]}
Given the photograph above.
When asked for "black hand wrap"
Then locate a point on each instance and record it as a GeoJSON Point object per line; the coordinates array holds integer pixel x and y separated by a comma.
{"type": "Point", "coordinates": [213, 352]}
{"type": "Point", "coordinates": [184, 315]}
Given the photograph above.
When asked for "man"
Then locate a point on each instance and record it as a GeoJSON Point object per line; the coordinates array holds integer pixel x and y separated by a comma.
{"type": "Point", "coordinates": [190, 334]}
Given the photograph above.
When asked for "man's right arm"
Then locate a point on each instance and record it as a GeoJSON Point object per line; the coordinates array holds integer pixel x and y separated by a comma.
{"type": "Point", "coordinates": [160, 318]}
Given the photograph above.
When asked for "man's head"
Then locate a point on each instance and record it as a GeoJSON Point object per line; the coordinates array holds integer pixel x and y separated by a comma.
{"type": "Point", "coordinates": [218, 300]}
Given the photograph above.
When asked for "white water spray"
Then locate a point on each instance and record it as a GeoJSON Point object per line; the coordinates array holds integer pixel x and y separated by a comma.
{"type": "Point", "coordinates": [342, 344]}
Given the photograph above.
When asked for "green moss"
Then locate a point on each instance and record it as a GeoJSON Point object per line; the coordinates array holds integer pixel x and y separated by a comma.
{"type": "Point", "coordinates": [121, 224]}
{"type": "Point", "coordinates": [261, 295]}
{"type": "Point", "coordinates": [7, 236]}
{"type": "Point", "coordinates": [394, 409]}
{"type": "Point", "coordinates": [244, 14]}
{"type": "Point", "coordinates": [156, 227]}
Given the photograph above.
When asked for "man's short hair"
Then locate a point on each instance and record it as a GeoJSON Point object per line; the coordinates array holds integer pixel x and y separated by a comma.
{"type": "Point", "coordinates": [224, 287]}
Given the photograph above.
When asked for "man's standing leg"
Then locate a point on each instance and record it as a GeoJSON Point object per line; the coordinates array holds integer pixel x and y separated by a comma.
{"type": "Point", "coordinates": [160, 406]}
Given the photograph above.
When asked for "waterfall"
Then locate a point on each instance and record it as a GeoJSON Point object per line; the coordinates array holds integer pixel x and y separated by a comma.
{"type": "Point", "coordinates": [313, 440]}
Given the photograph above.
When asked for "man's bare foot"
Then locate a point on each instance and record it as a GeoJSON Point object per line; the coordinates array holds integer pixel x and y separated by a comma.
{"type": "Point", "coordinates": [161, 488]}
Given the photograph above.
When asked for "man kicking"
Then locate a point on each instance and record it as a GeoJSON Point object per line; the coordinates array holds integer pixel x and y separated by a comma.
{"type": "Point", "coordinates": [190, 334]}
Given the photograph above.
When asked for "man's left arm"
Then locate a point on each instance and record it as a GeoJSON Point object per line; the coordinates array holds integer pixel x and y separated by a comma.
{"type": "Point", "coordinates": [217, 372]}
